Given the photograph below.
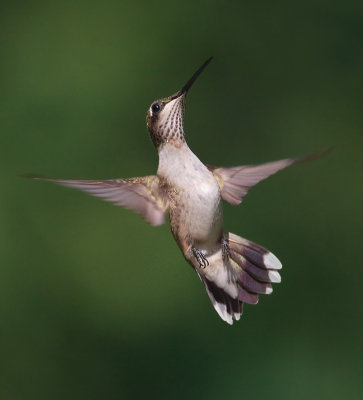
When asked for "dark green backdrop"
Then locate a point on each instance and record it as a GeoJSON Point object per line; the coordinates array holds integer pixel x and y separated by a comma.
{"type": "Point", "coordinates": [94, 303]}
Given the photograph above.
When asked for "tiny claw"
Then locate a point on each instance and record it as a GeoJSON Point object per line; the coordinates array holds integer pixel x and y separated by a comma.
{"type": "Point", "coordinates": [200, 257]}
{"type": "Point", "coordinates": [226, 252]}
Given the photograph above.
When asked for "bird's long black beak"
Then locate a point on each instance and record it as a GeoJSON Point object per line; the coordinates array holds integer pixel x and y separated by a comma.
{"type": "Point", "coordinates": [189, 84]}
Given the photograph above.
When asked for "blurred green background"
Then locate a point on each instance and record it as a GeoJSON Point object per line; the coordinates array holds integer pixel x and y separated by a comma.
{"type": "Point", "coordinates": [95, 303]}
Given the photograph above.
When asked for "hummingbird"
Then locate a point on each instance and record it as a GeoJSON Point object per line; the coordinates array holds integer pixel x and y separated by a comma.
{"type": "Point", "coordinates": [233, 270]}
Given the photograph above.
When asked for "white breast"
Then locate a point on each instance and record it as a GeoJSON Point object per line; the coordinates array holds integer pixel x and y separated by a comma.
{"type": "Point", "coordinates": [199, 193]}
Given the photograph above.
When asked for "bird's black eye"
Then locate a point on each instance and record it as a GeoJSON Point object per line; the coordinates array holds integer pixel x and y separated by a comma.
{"type": "Point", "coordinates": [155, 108]}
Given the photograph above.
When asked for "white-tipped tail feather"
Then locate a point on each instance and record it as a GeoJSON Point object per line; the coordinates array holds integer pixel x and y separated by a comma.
{"type": "Point", "coordinates": [249, 272]}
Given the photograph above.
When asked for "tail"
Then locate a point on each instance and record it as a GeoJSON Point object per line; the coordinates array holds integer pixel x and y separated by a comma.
{"type": "Point", "coordinates": [249, 272]}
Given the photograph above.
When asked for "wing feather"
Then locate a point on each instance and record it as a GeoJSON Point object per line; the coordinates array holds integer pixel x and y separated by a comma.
{"type": "Point", "coordinates": [142, 195]}
{"type": "Point", "coordinates": [235, 182]}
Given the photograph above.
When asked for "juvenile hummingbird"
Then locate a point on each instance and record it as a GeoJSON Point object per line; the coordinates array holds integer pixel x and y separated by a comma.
{"type": "Point", "coordinates": [234, 270]}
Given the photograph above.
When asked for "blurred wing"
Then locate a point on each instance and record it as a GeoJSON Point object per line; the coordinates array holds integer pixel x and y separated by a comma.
{"type": "Point", "coordinates": [141, 195]}
{"type": "Point", "coordinates": [235, 182]}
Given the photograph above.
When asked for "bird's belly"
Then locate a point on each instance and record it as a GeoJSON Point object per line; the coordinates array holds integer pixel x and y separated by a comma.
{"type": "Point", "coordinates": [201, 213]}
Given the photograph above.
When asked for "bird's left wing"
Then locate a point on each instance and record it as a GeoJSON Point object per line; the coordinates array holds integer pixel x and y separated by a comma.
{"type": "Point", "coordinates": [235, 182]}
{"type": "Point", "coordinates": [142, 195]}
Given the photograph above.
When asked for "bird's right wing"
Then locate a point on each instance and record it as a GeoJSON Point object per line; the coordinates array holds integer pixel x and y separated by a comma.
{"type": "Point", "coordinates": [235, 182]}
{"type": "Point", "coordinates": [142, 195]}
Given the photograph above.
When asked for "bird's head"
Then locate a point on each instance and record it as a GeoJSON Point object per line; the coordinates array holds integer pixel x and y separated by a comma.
{"type": "Point", "coordinates": [165, 117]}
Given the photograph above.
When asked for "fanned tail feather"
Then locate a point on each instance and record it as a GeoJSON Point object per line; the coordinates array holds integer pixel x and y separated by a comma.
{"type": "Point", "coordinates": [249, 272]}
{"type": "Point", "coordinates": [227, 307]}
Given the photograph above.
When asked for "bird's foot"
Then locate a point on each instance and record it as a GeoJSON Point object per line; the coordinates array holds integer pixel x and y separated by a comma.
{"type": "Point", "coordinates": [226, 252]}
{"type": "Point", "coordinates": [200, 257]}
